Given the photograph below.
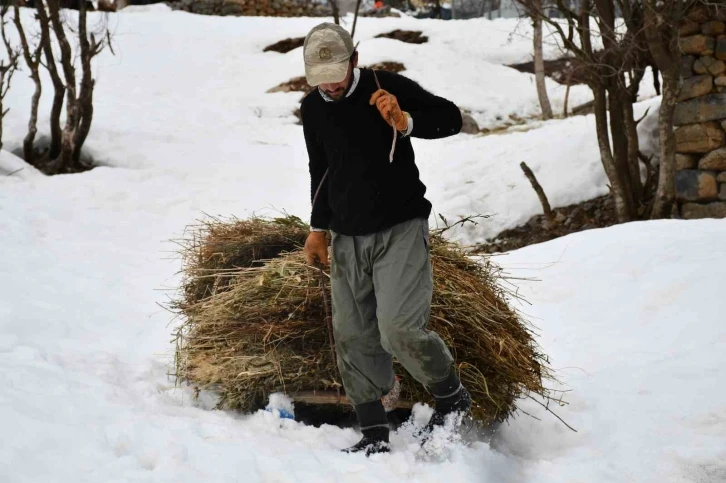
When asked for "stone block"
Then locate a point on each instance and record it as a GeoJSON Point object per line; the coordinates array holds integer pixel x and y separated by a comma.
{"type": "Point", "coordinates": [695, 211]}
{"type": "Point", "coordinates": [715, 160]}
{"type": "Point", "coordinates": [720, 51]}
{"type": "Point", "coordinates": [722, 192]}
{"type": "Point", "coordinates": [231, 9]}
{"type": "Point", "coordinates": [696, 86]}
{"type": "Point", "coordinates": [709, 66]}
{"type": "Point", "coordinates": [699, 14]}
{"type": "Point", "coordinates": [707, 108]}
{"type": "Point", "coordinates": [685, 161]}
{"type": "Point", "coordinates": [698, 45]}
{"type": "Point", "coordinates": [720, 81]}
{"type": "Point", "coordinates": [687, 62]}
{"type": "Point", "coordinates": [721, 177]}
{"type": "Point", "coordinates": [714, 27]}
{"type": "Point", "coordinates": [699, 138]}
{"type": "Point", "coordinates": [695, 185]}
{"type": "Point", "coordinates": [688, 28]}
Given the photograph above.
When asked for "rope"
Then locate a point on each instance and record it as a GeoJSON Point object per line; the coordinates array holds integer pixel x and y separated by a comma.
{"type": "Point", "coordinates": [390, 118]}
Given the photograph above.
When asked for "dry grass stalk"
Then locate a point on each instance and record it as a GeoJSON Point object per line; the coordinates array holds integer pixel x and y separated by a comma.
{"type": "Point", "coordinates": [260, 329]}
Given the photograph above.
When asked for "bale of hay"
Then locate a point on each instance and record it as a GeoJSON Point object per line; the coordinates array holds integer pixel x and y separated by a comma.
{"type": "Point", "coordinates": [213, 249]}
{"type": "Point", "coordinates": [264, 331]}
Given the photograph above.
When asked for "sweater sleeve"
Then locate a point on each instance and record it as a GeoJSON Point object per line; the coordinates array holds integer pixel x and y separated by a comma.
{"type": "Point", "coordinates": [433, 117]}
{"type": "Point", "coordinates": [318, 164]}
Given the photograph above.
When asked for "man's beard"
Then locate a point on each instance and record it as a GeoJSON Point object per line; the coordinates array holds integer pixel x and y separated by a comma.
{"type": "Point", "coordinates": [339, 95]}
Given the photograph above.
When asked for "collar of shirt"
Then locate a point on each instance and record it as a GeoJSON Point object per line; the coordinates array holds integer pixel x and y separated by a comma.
{"type": "Point", "coordinates": [356, 79]}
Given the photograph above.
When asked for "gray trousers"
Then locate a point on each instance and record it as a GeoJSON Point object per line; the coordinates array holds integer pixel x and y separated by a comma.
{"type": "Point", "coordinates": [381, 289]}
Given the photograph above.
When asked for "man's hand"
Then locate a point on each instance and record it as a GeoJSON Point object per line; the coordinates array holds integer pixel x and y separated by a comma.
{"type": "Point", "coordinates": [316, 248]}
{"type": "Point", "coordinates": [387, 105]}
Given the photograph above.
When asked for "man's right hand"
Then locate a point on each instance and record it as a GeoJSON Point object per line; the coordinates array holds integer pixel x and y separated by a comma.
{"type": "Point", "coordinates": [316, 248]}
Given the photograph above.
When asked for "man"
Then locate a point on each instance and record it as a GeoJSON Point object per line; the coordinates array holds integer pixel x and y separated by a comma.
{"type": "Point", "coordinates": [373, 203]}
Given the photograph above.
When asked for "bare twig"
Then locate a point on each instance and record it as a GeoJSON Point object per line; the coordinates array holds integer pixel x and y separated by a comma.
{"type": "Point", "coordinates": [14, 172]}
{"type": "Point", "coordinates": [546, 407]}
{"type": "Point", "coordinates": [538, 189]}
{"type": "Point", "coordinates": [355, 18]}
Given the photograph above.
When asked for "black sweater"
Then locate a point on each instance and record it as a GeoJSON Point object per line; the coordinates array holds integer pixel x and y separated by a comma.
{"type": "Point", "coordinates": [364, 192]}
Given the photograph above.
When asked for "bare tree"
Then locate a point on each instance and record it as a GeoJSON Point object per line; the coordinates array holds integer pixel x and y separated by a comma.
{"type": "Point", "coordinates": [533, 9]}
{"type": "Point", "coordinates": [32, 58]}
{"type": "Point", "coordinates": [662, 19]}
{"type": "Point", "coordinates": [78, 96]}
{"type": "Point", "coordinates": [7, 68]}
{"type": "Point", "coordinates": [613, 73]}
{"type": "Point", "coordinates": [539, 72]}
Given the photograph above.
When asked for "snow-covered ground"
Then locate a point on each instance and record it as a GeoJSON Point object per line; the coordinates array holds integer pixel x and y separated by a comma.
{"type": "Point", "coordinates": [631, 316]}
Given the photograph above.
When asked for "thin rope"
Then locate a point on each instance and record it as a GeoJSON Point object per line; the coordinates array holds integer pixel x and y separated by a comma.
{"type": "Point", "coordinates": [390, 118]}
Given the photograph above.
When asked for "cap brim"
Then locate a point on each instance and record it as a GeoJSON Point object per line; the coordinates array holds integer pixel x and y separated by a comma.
{"type": "Point", "coordinates": [325, 73]}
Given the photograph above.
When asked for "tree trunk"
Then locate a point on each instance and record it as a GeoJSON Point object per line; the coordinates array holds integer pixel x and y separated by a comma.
{"type": "Point", "coordinates": [666, 191]}
{"type": "Point", "coordinates": [565, 114]}
{"type": "Point", "coordinates": [64, 161]}
{"type": "Point", "coordinates": [355, 18]}
{"type": "Point", "coordinates": [617, 187]}
{"type": "Point", "coordinates": [336, 11]}
{"type": "Point", "coordinates": [620, 145]}
{"type": "Point", "coordinates": [85, 96]}
{"type": "Point", "coordinates": [631, 133]}
{"type": "Point", "coordinates": [32, 60]}
{"type": "Point", "coordinates": [59, 89]}
{"type": "Point", "coordinates": [539, 71]}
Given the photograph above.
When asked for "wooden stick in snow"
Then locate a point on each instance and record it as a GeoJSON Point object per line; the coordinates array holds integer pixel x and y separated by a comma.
{"type": "Point", "coordinates": [538, 189]}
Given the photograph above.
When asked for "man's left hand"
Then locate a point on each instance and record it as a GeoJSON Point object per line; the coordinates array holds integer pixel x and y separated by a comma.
{"type": "Point", "coordinates": [387, 105]}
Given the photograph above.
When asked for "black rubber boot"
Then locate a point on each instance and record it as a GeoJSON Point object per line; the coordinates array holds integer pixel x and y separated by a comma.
{"type": "Point", "coordinates": [375, 440]}
{"type": "Point", "coordinates": [458, 404]}
{"type": "Point", "coordinates": [451, 400]}
{"type": "Point", "coordinates": [374, 426]}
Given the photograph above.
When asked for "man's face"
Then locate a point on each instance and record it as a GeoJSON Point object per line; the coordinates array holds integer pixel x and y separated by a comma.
{"type": "Point", "coordinates": [336, 91]}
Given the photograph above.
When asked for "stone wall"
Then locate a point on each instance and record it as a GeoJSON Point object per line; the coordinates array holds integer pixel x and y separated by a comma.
{"type": "Point", "coordinates": [700, 116]}
{"type": "Point", "coordinates": [267, 8]}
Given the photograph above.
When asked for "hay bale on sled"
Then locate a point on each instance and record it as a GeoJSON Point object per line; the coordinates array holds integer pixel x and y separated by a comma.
{"type": "Point", "coordinates": [214, 249]}
{"type": "Point", "coordinates": [262, 329]}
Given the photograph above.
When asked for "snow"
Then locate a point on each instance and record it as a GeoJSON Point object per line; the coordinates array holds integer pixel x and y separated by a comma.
{"type": "Point", "coordinates": [281, 405]}
{"type": "Point", "coordinates": [629, 315]}
{"type": "Point", "coordinates": [12, 165]}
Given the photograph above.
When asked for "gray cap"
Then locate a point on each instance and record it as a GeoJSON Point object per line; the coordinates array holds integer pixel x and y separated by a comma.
{"type": "Point", "coordinates": [327, 50]}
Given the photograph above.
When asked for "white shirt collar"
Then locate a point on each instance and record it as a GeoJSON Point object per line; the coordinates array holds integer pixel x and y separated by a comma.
{"type": "Point", "coordinates": [356, 78]}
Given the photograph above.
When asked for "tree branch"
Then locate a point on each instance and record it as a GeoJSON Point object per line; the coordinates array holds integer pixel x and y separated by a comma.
{"type": "Point", "coordinates": [32, 59]}
{"type": "Point", "coordinates": [538, 189]}
{"type": "Point", "coordinates": [59, 89]}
